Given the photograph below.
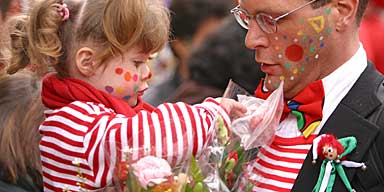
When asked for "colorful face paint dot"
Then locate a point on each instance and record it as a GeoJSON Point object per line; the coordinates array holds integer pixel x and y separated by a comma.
{"type": "Point", "coordinates": [127, 76]}
{"type": "Point", "coordinates": [322, 45]}
{"type": "Point", "coordinates": [282, 78]}
{"type": "Point", "coordinates": [307, 59]}
{"type": "Point", "coordinates": [328, 11]}
{"type": "Point", "coordinates": [288, 65]}
{"type": "Point", "coordinates": [276, 38]}
{"type": "Point", "coordinates": [302, 69]}
{"type": "Point", "coordinates": [109, 89]}
{"type": "Point", "coordinates": [300, 33]}
{"type": "Point", "coordinates": [135, 77]}
{"type": "Point", "coordinates": [269, 81]}
{"type": "Point", "coordinates": [127, 97]}
{"type": "Point", "coordinates": [294, 52]}
{"type": "Point", "coordinates": [136, 89]}
{"type": "Point", "coordinates": [119, 90]}
{"type": "Point", "coordinates": [295, 40]}
{"type": "Point", "coordinates": [276, 85]}
{"type": "Point", "coordinates": [292, 78]}
{"type": "Point", "coordinates": [285, 37]}
{"type": "Point", "coordinates": [321, 38]}
{"type": "Point", "coordinates": [295, 71]}
{"type": "Point", "coordinates": [312, 49]}
{"type": "Point", "coordinates": [119, 71]}
{"type": "Point", "coordinates": [277, 48]}
{"type": "Point", "coordinates": [329, 30]}
{"type": "Point", "coordinates": [317, 56]}
{"type": "Point", "coordinates": [301, 20]}
{"type": "Point", "coordinates": [149, 76]}
{"type": "Point", "coordinates": [310, 41]}
{"type": "Point", "coordinates": [304, 37]}
{"type": "Point", "coordinates": [280, 56]}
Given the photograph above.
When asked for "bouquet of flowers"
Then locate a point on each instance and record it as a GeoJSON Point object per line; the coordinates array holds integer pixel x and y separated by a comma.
{"type": "Point", "coordinates": [230, 147]}
{"type": "Point", "coordinates": [149, 174]}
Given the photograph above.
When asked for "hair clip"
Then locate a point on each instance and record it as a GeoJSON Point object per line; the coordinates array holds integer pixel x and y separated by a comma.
{"type": "Point", "coordinates": [64, 11]}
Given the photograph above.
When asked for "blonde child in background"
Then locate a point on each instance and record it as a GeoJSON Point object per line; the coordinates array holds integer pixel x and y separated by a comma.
{"type": "Point", "coordinates": [99, 49]}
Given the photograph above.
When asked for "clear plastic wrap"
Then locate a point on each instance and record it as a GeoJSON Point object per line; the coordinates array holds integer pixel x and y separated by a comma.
{"type": "Point", "coordinates": [258, 127]}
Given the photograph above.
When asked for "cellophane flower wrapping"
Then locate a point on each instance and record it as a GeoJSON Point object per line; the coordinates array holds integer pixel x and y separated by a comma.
{"type": "Point", "coordinates": [230, 147]}
{"type": "Point", "coordinates": [257, 128]}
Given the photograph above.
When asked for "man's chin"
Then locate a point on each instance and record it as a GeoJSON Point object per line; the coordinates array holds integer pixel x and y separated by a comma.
{"type": "Point", "coordinates": [271, 83]}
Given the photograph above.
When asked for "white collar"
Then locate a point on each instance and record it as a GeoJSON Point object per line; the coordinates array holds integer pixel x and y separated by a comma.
{"type": "Point", "coordinates": [339, 82]}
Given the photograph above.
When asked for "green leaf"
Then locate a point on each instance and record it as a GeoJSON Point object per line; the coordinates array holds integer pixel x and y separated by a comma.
{"type": "Point", "coordinates": [199, 187]}
{"type": "Point", "coordinates": [195, 171]}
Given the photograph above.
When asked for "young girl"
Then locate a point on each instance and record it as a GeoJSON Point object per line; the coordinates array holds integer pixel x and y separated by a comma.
{"type": "Point", "coordinates": [99, 49]}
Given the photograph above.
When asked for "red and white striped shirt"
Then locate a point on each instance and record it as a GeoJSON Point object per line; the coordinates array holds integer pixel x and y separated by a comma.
{"type": "Point", "coordinates": [75, 139]}
{"type": "Point", "coordinates": [277, 165]}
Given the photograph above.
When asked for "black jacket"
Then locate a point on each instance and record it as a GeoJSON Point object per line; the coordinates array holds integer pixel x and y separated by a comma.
{"type": "Point", "coordinates": [360, 114]}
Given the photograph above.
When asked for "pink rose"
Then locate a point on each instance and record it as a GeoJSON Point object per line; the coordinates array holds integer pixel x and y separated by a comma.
{"type": "Point", "coordinates": [151, 170]}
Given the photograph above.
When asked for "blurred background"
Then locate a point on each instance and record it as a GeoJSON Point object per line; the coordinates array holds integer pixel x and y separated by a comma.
{"type": "Point", "coordinates": [206, 49]}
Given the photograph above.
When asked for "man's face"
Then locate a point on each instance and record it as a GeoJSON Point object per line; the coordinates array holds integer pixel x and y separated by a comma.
{"type": "Point", "coordinates": [296, 53]}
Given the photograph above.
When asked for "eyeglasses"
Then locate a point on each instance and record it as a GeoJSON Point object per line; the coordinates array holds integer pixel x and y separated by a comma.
{"type": "Point", "coordinates": [266, 22]}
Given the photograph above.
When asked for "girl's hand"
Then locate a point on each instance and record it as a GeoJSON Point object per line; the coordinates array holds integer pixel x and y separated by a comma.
{"type": "Point", "coordinates": [234, 108]}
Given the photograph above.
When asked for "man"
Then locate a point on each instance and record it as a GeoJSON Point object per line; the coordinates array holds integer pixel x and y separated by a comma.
{"type": "Point", "coordinates": [313, 46]}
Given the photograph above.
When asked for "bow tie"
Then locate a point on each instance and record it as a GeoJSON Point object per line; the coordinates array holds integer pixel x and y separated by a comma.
{"type": "Point", "coordinates": [306, 106]}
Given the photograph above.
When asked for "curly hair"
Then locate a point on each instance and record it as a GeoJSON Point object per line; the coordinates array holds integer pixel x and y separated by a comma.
{"type": "Point", "coordinates": [43, 38]}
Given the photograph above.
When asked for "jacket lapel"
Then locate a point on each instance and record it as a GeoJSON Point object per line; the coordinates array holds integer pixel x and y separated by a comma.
{"type": "Point", "coordinates": [348, 119]}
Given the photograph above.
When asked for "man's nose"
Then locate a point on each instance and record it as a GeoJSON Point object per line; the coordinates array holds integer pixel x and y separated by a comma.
{"type": "Point", "coordinates": [255, 38]}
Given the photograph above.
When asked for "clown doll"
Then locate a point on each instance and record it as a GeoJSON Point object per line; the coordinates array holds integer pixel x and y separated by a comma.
{"type": "Point", "coordinates": [334, 152]}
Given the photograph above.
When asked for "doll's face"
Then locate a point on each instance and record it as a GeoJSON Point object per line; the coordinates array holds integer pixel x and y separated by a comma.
{"type": "Point", "coordinates": [329, 152]}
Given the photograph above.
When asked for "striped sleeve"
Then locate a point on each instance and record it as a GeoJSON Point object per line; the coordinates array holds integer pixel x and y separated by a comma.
{"type": "Point", "coordinates": [95, 138]}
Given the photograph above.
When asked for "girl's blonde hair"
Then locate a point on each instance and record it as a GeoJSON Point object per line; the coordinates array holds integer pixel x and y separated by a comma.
{"type": "Point", "coordinates": [42, 37]}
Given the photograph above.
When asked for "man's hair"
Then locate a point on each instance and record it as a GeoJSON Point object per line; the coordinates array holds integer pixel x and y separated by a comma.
{"type": "Point", "coordinates": [360, 10]}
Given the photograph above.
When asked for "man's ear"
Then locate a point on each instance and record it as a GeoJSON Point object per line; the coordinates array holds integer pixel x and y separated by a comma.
{"type": "Point", "coordinates": [346, 10]}
{"type": "Point", "coordinates": [85, 61]}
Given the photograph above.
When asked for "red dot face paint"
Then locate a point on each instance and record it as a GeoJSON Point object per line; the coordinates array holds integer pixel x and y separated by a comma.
{"type": "Point", "coordinates": [294, 52]}
{"type": "Point", "coordinates": [119, 71]}
{"type": "Point", "coordinates": [149, 75]}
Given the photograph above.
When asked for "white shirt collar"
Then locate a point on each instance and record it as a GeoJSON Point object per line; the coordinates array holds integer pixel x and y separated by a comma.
{"type": "Point", "coordinates": [339, 82]}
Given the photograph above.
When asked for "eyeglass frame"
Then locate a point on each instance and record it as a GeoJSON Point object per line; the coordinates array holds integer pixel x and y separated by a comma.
{"type": "Point", "coordinates": [274, 20]}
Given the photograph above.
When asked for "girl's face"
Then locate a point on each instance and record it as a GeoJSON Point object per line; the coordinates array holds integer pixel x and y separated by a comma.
{"type": "Point", "coordinates": [124, 76]}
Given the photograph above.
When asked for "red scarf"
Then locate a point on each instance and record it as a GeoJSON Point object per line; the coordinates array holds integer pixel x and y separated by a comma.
{"type": "Point", "coordinates": [59, 92]}
{"type": "Point", "coordinates": [307, 106]}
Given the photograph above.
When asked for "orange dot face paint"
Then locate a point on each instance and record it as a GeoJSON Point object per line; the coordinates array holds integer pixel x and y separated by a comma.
{"type": "Point", "coordinates": [127, 76]}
